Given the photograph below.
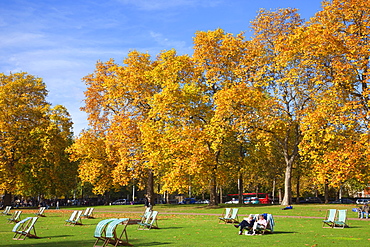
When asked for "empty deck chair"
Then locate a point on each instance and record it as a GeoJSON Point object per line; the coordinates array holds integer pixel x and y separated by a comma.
{"type": "Point", "coordinates": [41, 212]}
{"type": "Point", "coordinates": [144, 221]}
{"type": "Point", "coordinates": [88, 213]}
{"type": "Point", "coordinates": [148, 211]}
{"type": "Point", "coordinates": [112, 236]}
{"type": "Point", "coordinates": [100, 231]}
{"type": "Point", "coordinates": [226, 214]}
{"type": "Point", "coordinates": [6, 210]}
{"type": "Point", "coordinates": [341, 221]}
{"type": "Point", "coordinates": [25, 228]}
{"type": "Point", "coordinates": [233, 218]}
{"type": "Point", "coordinates": [75, 218]}
{"type": "Point", "coordinates": [16, 217]}
{"type": "Point", "coordinates": [150, 222]}
{"type": "Point", "coordinates": [329, 218]}
{"type": "Point", "coordinates": [72, 217]}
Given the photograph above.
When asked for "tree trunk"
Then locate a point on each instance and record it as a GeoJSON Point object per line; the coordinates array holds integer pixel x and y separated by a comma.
{"type": "Point", "coordinates": [273, 191]}
{"type": "Point", "coordinates": [289, 160]}
{"type": "Point", "coordinates": [287, 199]}
{"type": "Point", "coordinates": [280, 200]}
{"type": "Point", "coordinates": [326, 192]}
{"type": "Point", "coordinates": [298, 188]}
{"type": "Point", "coordinates": [7, 199]}
{"type": "Point", "coordinates": [213, 183]}
{"type": "Point", "coordinates": [240, 189]}
{"type": "Point", "coordinates": [220, 196]}
{"type": "Point", "coordinates": [167, 198]}
{"type": "Point", "coordinates": [240, 178]}
{"type": "Point", "coordinates": [150, 188]}
{"type": "Point", "coordinates": [213, 191]}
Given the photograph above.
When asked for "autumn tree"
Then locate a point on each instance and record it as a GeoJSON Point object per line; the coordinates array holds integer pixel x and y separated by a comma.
{"type": "Point", "coordinates": [34, 137]}
{"type": "Point", "coordinates": [89, 152]}
{"type": "Point", "coordinates": [275, 71]}
{"type": "Point", "coordinates": [116, 102]}
{"type": "Point", "coordinates": [246, 110]}
{"type": "Point", "coordinates": [335, 45]}
{"type": "Point", "coordinates": [294, 93]}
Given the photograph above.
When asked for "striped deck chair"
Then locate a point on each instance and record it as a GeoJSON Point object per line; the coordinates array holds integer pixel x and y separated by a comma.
{"type": "Point", "coordinates": [25, 228]}
{"type": "Point", "coordinates": [100, 231]}
{"type": "Point", "coordinates": [72, 217]}
{"type": "Point", "coordinates": [226, 214]}
{"type": "Point", "coordinates": [16, 217]}
{"type": "Point", "coordinates": [112, 236]}
{"type": "Point", "coordinates": [146, 215]}
{"type": "Point", "coordinates": [233, 217]}
{"type": "Point", "coordinates": [41, 212]}
{"type": "Point", "coordinates": [88, 213]}
{"type": "Point", "coordinates": [341, 221]}
{"type": "Point", "coordinates": [6, 210]}
{"type": "Point", "coordinates": [329, 218]}
{"type": "Point", "coordinates": [150, 223]}
{"type": "Point", "coordinates": [75, 218]}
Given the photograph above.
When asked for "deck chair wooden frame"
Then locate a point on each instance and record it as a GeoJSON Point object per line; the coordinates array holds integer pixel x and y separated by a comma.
{"type": "Point", "coordinates": [111, 235]}
{"type": "Point", "coordinates": [88, 213]}
{"type": "Point", "coordinates": [25, 228]}
{"type": "Point", "coordinates": [233, 216]}
{"type": "Point", "coordinates": [331, 214]}
{"type": "Point", "coordinates": [7, 210]}
{"type": "Point", "coordinates": [100, 231]}
{"type": "Point", "coordinates": [75, 218]}
{"type": "Point", "coordinates": [225, 215]}
{"type": "Point", "coordinates": [151, 222]}
{"type": "Point", "coordinates": [16, 217]}
{"type": "Point", "coordinates": [41, 211]}
{"type": "Point", "coordinates": [341, 221]}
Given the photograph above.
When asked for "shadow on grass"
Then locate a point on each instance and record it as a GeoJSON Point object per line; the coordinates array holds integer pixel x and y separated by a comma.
{"type": "Point", "coordinates": [57, 236]}
{"type": "Point", "coordinates": [53, 243]}
{"type": "Point", "coordinates": [171, 227]}
{"type": "Point", "coordinates": [152, 243]}
{"type": "Point", "coordinates": [280, 232]}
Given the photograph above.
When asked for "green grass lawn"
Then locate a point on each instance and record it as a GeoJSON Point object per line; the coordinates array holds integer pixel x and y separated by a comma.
{"type": "Point", "coordinates": [196, 225]}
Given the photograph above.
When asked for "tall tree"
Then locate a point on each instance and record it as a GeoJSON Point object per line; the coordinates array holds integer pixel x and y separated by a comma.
{"type": "Point", "coordinates": [336, 128]}
{"type": "Point", "coordinates": [117, 102]}
{"type": "Point", "coordinates": [276, 72]}
{"type": "Point", "coordinates": [33, 138]}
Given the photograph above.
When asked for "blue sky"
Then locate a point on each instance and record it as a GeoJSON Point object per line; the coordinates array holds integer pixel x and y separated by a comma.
{"type": "Point", "coordinates": [61, 40]}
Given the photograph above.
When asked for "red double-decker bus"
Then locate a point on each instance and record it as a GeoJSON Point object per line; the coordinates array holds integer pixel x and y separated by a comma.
{"type": "Point", "coordinates": [263, 198]}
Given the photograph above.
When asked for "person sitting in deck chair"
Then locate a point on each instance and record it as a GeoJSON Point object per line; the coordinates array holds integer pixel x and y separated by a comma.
{"type": "Point", "coordinates": [246, 224]}
{"type": "Point", "coordinates": [364, 210]}
{"type": "Point", "coordinates": [261, 223]}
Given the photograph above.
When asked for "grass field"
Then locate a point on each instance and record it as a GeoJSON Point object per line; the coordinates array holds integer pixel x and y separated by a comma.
{"type": "Point", "coordinates": [196, 225]}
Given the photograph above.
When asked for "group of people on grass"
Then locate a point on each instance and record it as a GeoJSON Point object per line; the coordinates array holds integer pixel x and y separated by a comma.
{"type": "Point", "coordinates": [252, 225]}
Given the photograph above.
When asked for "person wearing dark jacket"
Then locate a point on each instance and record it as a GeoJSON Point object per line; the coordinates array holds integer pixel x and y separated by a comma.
{"type": "Point", "coordinates": [246, 224]}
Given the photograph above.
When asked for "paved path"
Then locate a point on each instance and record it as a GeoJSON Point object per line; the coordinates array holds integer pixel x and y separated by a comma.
{"type": "Point", "coordinates": [241, 215]}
